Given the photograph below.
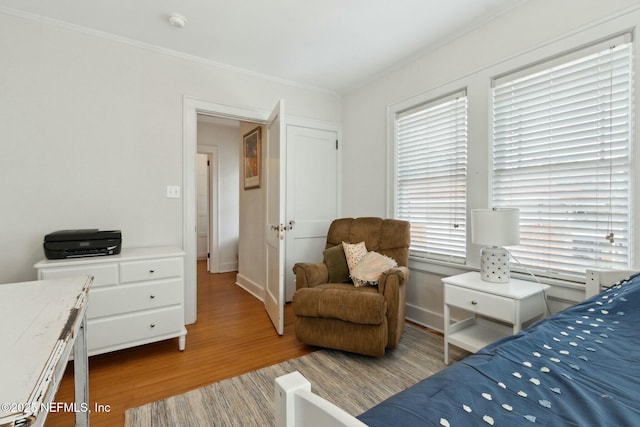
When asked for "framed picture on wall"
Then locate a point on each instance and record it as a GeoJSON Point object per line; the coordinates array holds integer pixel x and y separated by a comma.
{"type": "Point", "coordinates": [252, 155]}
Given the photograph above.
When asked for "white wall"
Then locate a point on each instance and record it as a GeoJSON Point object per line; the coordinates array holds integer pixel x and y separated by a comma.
{"type": "Point", "coordinates": [227, 139]}
{"type": "Point", "coordinates": [529, 33]}
{"type": "Point", "coordinates": [253, 217]}
{"type": "Point", "coordinates": [91, 134]}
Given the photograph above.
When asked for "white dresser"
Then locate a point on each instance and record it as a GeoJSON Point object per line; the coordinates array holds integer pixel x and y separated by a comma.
{"type": "Point", "coordinates": [137, 296]}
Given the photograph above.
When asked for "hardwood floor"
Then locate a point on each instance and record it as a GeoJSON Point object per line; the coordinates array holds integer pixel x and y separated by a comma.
{"type": "Point", "coordinates": [232, 335]}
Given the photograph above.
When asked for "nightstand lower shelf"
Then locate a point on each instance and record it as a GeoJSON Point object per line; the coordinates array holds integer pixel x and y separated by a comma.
{"type": "Point", "coordinates": [474, 333]}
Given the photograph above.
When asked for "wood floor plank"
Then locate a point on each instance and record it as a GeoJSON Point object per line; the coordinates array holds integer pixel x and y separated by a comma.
{"type": "Point", "coordinates": [232, 335]}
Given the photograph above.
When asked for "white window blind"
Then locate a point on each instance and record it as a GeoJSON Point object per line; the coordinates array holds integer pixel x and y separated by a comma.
{"type": "Point", "coordinates": [561, 153]}
{"type": "Point", "coordinates": [431, 176]}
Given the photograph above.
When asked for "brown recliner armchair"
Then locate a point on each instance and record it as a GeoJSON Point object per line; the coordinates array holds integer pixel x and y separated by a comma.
{"type": "Point", "coordinates": [365, 319]}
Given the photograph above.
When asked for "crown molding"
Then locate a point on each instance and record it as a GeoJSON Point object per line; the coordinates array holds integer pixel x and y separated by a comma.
{"type": "Point", "coordinates": [158, 49]}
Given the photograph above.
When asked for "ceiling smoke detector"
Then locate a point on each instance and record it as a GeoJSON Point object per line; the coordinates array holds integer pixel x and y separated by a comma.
{"type": "Point", "coordinates": [177, 20]}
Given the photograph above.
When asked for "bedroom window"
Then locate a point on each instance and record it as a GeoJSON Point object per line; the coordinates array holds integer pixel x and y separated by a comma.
{"type": "Point", "coordinates": [431, 174]}
{"type": "Point", "coordinates": [561, 153]}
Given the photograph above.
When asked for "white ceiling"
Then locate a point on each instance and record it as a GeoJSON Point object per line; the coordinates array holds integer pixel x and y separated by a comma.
{"type": "Point", "coordinates": [331, 44]}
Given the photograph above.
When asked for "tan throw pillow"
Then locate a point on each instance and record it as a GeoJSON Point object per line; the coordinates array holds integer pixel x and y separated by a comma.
{"type": "Point", "coordinates": [370, 267]}
{"type": "Point", "coordinates": [354, 253]}
{"type": "Point", "coordinates": [337, 265]}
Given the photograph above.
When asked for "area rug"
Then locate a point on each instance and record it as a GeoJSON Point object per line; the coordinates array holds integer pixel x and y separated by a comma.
{"type": "Point", "coordinates": [353, 382]}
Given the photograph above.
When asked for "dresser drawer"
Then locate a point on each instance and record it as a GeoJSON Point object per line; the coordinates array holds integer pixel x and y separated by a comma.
{"type": "Point", "coordinates": [127, 298]}
{"type": "Point", "coordinates": [125, 331]}
{"type": "Point", "coordinates": [481, 303]}
{"type": "Point", "coordinates": [136, 271]}
{"type": "Point", "coordinates": [103, 275]}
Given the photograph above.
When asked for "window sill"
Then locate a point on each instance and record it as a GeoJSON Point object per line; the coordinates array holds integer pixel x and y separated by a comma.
{"type": "Point", "coordinates": [442, 268]}
{"type": "Point", "coordinates": [561, 290]}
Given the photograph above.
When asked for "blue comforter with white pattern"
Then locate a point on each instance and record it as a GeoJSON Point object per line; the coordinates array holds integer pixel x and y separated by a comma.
{"type": "Point", "coordinates": [579, 367]}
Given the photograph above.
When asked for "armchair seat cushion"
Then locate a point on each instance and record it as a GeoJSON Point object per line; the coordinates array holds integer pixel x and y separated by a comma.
{"type": "Point", "coordinates": [339, 301]}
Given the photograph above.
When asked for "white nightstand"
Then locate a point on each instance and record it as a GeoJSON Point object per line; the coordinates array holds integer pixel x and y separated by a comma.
{"type": "Point", "coordinates": [494, 307]}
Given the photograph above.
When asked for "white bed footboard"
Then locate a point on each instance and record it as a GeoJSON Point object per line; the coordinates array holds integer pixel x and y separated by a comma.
{"type": "Point", "coordinates": [297, 406]}
{"type": "Point", "coordinates": [597, 279]}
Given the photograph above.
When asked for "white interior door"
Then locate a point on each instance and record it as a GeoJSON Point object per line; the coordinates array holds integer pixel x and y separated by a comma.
{"type": "Point", "coordinates": [312, 196]}
{"type": "Point", "coordinates": [275, 206]}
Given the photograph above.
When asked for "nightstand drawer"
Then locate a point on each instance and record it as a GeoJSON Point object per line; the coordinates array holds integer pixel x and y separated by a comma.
{"type": "Point", "coordinates": [481, 303]}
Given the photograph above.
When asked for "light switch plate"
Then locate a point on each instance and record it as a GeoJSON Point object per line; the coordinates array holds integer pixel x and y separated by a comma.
{"type": "Point", "coordinates": [173, 191]}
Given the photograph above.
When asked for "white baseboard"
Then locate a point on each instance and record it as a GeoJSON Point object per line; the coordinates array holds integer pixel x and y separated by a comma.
{"type": "Point", "coordinates": [250, 286]}
{"type": "Point", "coordinates": [226, 267]}
{"type": "Point", "coordinates": [424, 317]}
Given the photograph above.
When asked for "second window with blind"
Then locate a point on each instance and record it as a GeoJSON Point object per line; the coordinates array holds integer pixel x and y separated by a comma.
{"type": "Point", "coordinates": [561, 149]}
{"type": "Point", "coordinates": [562, 155]}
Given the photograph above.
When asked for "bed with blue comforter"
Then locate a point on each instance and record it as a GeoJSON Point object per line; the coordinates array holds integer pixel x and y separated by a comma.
{"type": "Point", "coordinates": [579, 367]}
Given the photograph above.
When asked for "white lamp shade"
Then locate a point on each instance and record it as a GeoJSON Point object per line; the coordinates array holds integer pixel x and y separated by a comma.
{"type": "Point", "coordinates": [495, 227]}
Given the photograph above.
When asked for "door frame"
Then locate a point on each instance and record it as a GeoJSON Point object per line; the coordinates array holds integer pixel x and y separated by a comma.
{"type": "Point", "coordinates": [190, 110]}
{"type": "Point", "coordinates": [214, 207]}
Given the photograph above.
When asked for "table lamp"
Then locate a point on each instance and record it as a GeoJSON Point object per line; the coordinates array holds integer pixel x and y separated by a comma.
{"type": "Point", "coordinates": [495, 228]}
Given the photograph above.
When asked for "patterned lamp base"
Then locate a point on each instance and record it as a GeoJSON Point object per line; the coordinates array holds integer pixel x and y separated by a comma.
{"type": "Point", "coordinates": [494, 265]}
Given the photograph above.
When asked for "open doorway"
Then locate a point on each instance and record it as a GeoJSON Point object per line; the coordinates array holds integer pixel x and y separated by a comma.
{"type": "Point", "coordinates": [203, 163]}
{"type": "Point", "coordinates": [248, 118]}
{"type": "Point", "coordinates": [252, 223]}
{"type": "Point", "coordinates": [217, 204]}
{"type": "Point", "coordinates": [207, 204]}
{"type": "Point", "coordinates": [224, 210]}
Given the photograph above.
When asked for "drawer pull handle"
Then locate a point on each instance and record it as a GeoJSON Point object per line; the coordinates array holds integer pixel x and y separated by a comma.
{"type": "Point", "coordinates": [152, 296]}
{"type": "Point", "coordinates": [474, 302]}
{"type": "Point", "coordinates": [152, 271]}
{"type": "Point", "coordinates": [153, 325]}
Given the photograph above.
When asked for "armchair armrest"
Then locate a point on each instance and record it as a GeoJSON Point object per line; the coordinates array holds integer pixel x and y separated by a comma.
{"type": "Point", "coordinates": [392, 284]}
{"type": "Point", "coordinates": [397, 275]}
{"type": "Point", "coordinates": [309, 274]}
